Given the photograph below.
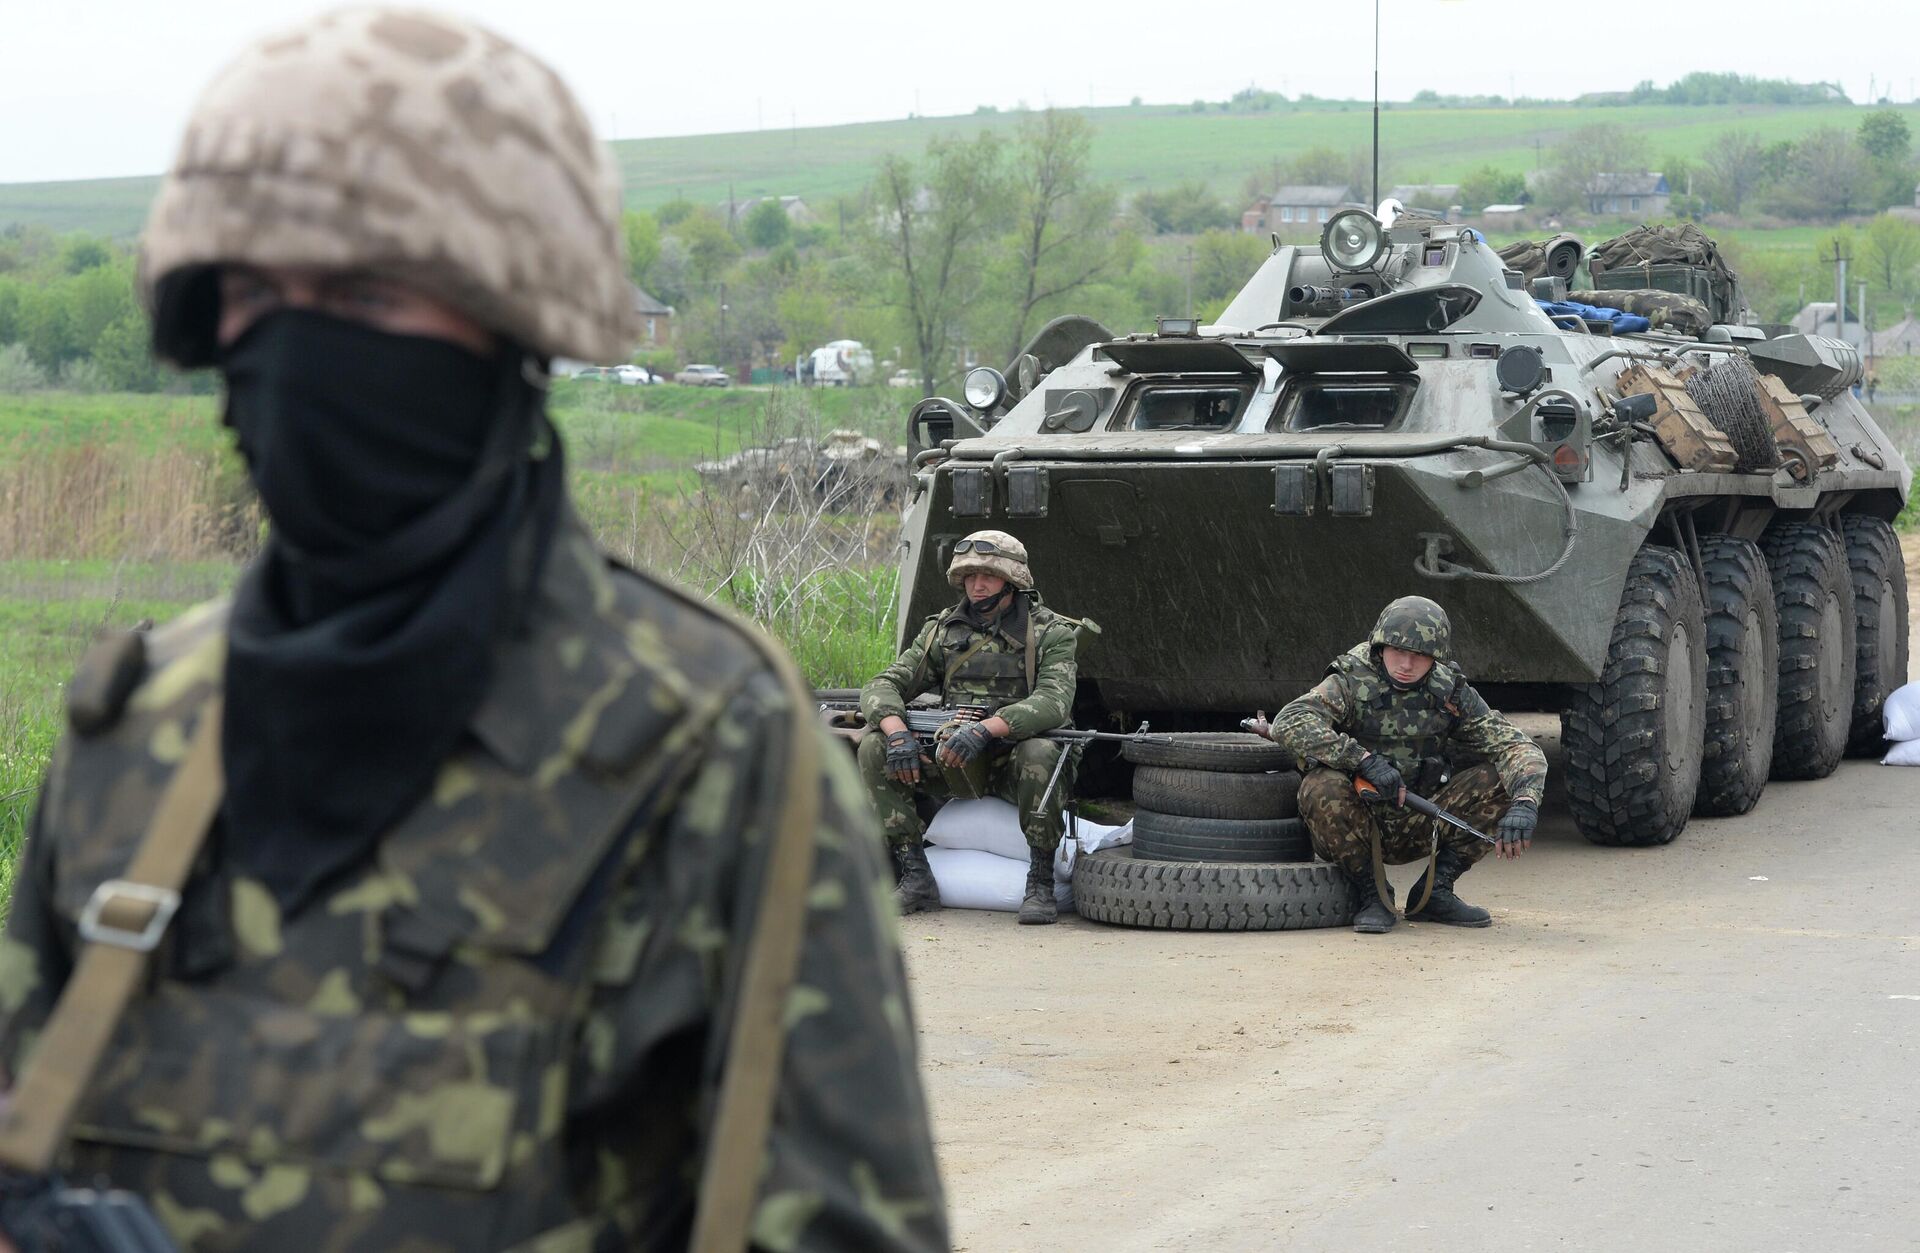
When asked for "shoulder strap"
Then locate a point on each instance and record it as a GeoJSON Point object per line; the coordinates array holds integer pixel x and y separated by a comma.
{"type": "Point", "coordinates": [120, 927]}
{"type": "Point", "coordinates": [730, 1177]}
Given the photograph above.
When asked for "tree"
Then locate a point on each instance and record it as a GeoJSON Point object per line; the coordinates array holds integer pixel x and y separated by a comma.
{"type": "Point", "coordinates": [1492, 185]}
{"type": "Point", "coordinates": [1827, 177]}
{"type": "Point", "coordinates": [1890, 248]}
{"type": "Point", "coordinates": [1587, 153]}
{"type": "Point", "coordinates": [927, 237]}
{"type": "Point", "coordinates": [1223, 261]}
{"type": "Point", "coordinates": [1063, 227]}
{"type": "Point", "coordinates": [643, 244]}
{"type": "Point", "coordinates": [767, 224]}
{"type": "Point", "coordinates": [1732, 167]}
{"type": "Point", "coordinates": [1186, 209]}
{"type": "Point", "coordinates": [710, 248]}
{"type": "Point", "coordinates": [1884, 137]}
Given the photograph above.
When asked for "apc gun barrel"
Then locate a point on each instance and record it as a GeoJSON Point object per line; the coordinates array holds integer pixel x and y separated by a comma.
{"type": "Point", "coordinates": [1306, 296]}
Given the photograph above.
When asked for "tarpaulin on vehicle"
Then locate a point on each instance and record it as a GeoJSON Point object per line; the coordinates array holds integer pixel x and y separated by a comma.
{"type": "Point", "coordinates": [1685, 244]}
{"type": "Point", "coordinates": [1623, 322]}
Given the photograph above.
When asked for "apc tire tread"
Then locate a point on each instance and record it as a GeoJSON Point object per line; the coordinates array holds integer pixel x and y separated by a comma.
{"type": "Point", "coordinates": [1809, 566]}
{"type": "Point", "coordinates": [1217, 794]}
{"type": "Point", "coordinates": [1236, 752]}
{"type": "Point", "coordinates": [1177, 837]}
{"type": "Point", "coordinates": [1114, 886]}
{"type": "Point", "coordinates": [1622, 786]}
{"type": "Point", "coordinates": [1880, 628]}
{"type": "Point", "coordinates": [1742, 677]}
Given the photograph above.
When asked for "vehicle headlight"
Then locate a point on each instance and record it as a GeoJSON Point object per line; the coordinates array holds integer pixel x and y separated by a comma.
{"type": "Point", "coordinates": [985, 388]}
{"type": "Point", "coordinates": [1353, 240]}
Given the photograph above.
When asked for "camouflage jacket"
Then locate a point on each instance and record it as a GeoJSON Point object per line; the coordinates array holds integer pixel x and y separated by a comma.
{"type": "Point", "coordinates": [1356, 710]}
{"type": "Point", "coordinates": [506, 1031]}
{"type": "Point", "coordinates": [970, 667]}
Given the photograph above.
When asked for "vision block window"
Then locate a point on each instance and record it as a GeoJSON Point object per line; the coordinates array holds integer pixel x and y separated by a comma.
{"type": "Point", "coordinates": [1324, 403]}
{"type": "Point", "coordinates": [1187, 407]}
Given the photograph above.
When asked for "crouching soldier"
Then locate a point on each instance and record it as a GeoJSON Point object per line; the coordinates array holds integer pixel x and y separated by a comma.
{"type": "Point", "coordinates": [998, 650]}
{"type": "Point", "coordinates": [1388, 712]}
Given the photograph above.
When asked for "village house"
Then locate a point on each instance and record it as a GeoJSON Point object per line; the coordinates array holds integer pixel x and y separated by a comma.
{"type": "Point", "coordinates": [1441, 200]}
{"type": "Point", "coordinates": [1296, 207]}
{"type": "Point", "coordinates": [656, 319]}
{"type": "Point", "coordinates": [1902, 339]}
{"type": "Point", "coordinates": [1635, 195]}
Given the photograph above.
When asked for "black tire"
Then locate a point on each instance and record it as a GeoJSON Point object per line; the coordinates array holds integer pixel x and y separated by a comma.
{"type": "Point", "coordinates": [1176, 837]}
{"type": "Point", "coordinates": [1237, 752]}
{"type": "Point", "coordinates": [1114, 886]}
{"type": "Point", "coordinates": [1880, 628]}
{"type": "Point", "coordinates": [1633, 739]}
{"type": "Point", "coordinates": [1813, 590]}
{"type": "Point", "coordinates": [1743, 652]}
{"type": "Point", "coordinates": [1214, 794]}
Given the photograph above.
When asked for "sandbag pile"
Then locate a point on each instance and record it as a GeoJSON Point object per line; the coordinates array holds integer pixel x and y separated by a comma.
{"type": "Point", "coordinates": [979, 855]}
{"type": "Point", "coordinates": [1902, 715]}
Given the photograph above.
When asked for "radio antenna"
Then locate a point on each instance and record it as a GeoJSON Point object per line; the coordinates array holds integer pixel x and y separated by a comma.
{"type": "Point", "coordinates": [1376, 106]}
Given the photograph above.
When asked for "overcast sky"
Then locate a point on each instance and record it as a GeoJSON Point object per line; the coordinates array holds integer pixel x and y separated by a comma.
{"type": "Point", "coordinates": [94, 88]}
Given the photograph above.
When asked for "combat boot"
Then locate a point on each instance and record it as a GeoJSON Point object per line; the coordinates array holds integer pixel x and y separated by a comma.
{"type": "Point", "coordinates": [1443, 906]}
{"type": "Point", "coordinates": [915, 889]}
{"type": "Point", "coordinates": [1371, 915]}
{"type": "Point", "coordinates": [1038, 908]}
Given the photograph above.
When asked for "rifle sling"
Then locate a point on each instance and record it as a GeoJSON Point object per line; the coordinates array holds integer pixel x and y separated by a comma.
{"type": "Point", "coordinates": [122, 924]}
{"type": "Point", "coordinates": [736, 1149]}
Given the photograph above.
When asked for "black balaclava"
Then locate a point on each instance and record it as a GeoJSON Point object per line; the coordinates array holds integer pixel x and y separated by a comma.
{"type": "Point", "coordinates": [413, 488]}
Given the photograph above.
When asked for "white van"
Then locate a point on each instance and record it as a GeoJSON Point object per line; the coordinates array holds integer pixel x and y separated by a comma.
{"type": "Point", "coordinates": [842, 363]}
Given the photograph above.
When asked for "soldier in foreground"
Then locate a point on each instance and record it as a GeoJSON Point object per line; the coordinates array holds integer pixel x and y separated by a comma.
{"type": "Point", "coordinates": [1000, 649]}
{"type": "Point", "coordinates": [500, 893]}
{"type": "Point", "coordinates": [1388, 712]}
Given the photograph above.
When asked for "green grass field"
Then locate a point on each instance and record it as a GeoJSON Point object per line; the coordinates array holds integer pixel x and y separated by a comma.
{"type": "Point", "coordinates": [1134, 148]}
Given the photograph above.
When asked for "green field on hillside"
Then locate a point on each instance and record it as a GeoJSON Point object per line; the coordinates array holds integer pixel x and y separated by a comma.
{"type": "Point", "coordinates": [1134, 147]}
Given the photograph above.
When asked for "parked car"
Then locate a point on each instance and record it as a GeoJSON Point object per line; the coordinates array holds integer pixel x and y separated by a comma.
{"type": "Point", "coordinates": [702, 376]}
{"type": "Point", "coordinates": [596, 374]}
{"type": "Point", "coordinates": [635, 375]}
{"type": "Point", "coordinates": [903, 378]}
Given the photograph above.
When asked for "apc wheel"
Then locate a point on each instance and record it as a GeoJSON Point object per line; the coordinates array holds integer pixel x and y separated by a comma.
{"type": "Point", "coordinates": [1237, 752]}
{"type": "Point", "coordinates": [1216, 794]}
{"type": "Point", "coordinates": [1633, 739]}
{"type": "Point", "coordinates": [1175, 837]}
{"type": "Point", "coordinates": [1114, 886]}
{"type": "Point", "coordinates": [1814, 594]}
{"type": "Point", "coordinates": [1880, 628]}
{"type": "Point", "coordinates": [1743, 651]}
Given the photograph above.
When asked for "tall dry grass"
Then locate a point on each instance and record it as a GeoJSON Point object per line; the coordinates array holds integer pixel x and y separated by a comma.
{"type": "Point", "coordinates": [125, 503]}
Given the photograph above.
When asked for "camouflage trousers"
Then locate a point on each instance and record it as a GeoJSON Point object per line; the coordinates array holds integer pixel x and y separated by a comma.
{"type": "Point", "coordinates": [1018, 776]}
{"type": "Point", "coordinates": [1341, 825]}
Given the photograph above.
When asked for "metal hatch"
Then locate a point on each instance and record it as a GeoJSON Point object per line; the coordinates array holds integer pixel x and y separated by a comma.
{"type": "Point", "coordinates": [1178, 356]}
{"type": "Point", "coordinates": [1322, 357]}
{"type": "Point", "coordinates": [1412, 311]}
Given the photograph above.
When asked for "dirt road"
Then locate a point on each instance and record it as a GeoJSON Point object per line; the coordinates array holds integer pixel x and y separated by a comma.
{"type": "Point", "coordinates": [1713, 1045]}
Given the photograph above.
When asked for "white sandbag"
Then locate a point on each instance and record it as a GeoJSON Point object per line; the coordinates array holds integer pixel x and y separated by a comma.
{"type": "Point", "coordinates": [1905, 753]}
{"type": "Point", "coordinates": [1902, 715]}
{"type": "Point", "coordinates": [991, 825]}
{"type": "Point", "coordinates": [971, 879]}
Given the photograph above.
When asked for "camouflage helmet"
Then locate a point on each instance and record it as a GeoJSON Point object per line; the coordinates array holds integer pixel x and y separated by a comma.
{"type": "Point", "coordinates": [1415, 624]}
{"type": "Point", "coordinates": [1008, 559]}
{"type": "Point", "coordinates": [412, 144]}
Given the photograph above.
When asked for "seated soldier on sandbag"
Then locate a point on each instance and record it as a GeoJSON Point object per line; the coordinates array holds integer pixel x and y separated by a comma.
{"type": "Point", "coordinates": [1000, 651]}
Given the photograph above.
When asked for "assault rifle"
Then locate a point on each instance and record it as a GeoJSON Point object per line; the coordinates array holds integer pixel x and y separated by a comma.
{"type": "Point", "coordinates": [933, 721]}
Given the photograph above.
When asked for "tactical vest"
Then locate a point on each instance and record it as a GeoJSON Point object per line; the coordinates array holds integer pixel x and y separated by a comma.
{"type": "Point", "coordinates": [988, 668]}
{"type": "Point", "coordinates": [389, 1066]}
{"type": "Point", "coordinates": [1405, 727]}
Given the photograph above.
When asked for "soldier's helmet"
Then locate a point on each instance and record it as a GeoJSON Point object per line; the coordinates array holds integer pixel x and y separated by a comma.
{"type": "Point", "coordinates": [1415, 624]}
{"type": "Point", "coordinates": [413, 145]}
{"type": "Point", "coordinates": [995, 552]}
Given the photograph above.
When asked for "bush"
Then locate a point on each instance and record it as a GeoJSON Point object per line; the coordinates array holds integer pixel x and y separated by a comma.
{"type": "Point", "coordinates": [18, 371]}
{"type": "Point", "coordinates": [658, 360]}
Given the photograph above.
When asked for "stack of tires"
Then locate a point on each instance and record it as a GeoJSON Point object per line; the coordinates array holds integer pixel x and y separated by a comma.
{"type": "Point", "coordinates": [1218, 844]}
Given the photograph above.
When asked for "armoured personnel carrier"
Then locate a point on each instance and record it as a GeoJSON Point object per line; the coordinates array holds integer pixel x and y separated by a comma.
{"type": "Point", "coordinates": [1675, 537]}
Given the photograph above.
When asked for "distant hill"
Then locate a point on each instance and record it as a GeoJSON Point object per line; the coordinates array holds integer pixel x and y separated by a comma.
{"type": "Point", "coordinates": [1134, 147]}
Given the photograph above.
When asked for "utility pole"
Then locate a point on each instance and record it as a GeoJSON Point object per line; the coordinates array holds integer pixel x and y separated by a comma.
{"type": "Point", "coordinates": [1839, 260]}
{"type": "Point", "coordinates": [1189, 256]}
